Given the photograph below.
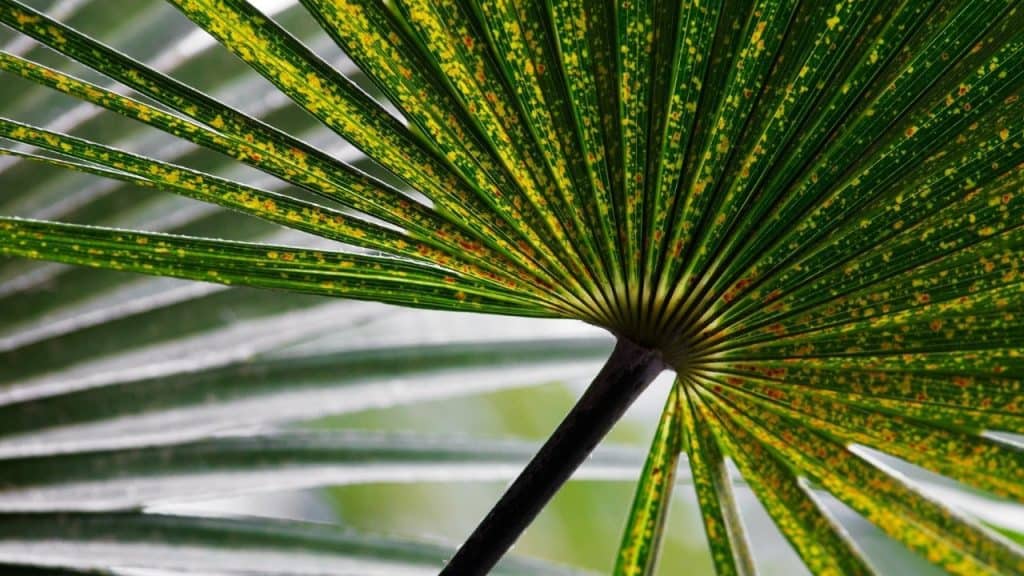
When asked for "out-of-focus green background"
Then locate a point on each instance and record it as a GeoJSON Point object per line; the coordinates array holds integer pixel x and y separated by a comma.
{"type": "Point", "coordinates": [583, 524]}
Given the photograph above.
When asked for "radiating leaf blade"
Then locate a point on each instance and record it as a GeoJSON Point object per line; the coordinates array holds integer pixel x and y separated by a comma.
{"type": "Point", "coordinates": [266, 266]}
{"type": "Point", "coordinates": [641, 541]}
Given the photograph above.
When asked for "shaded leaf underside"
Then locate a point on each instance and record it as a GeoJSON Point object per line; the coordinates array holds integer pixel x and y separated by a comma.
{"type": "Point", "coordinates": [814, 211]}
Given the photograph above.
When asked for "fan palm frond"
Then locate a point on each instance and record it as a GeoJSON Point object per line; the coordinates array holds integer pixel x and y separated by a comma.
{"type": "Point", "coordinates": [810, 212]}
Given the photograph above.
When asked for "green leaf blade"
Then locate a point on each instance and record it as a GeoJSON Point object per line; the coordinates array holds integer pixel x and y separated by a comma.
{"type": "Point", "coordinates": [638, 552]}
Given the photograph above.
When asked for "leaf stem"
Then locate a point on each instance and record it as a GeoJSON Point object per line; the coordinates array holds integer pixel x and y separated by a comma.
{"type": "Point", "coordinates": [626, 374]}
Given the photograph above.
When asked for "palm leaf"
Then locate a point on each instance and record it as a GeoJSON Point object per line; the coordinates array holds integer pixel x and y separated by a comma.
{"type": "Point", "coordinates": [92, 410]}
{"type": "Point", "coordinates": [132, 478]}
{"type": "Point", "coordinates": [810, 212]}
{"type": "Point", "coordinates": [722, 523]}
{"type": "Point", "coordinates": [95, 541]}
{"type": "Point", "coordinates": [638, 553]}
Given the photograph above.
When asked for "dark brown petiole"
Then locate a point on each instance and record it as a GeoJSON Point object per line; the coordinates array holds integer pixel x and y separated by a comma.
{"type": "Point", "coordinates": [624, 376]}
